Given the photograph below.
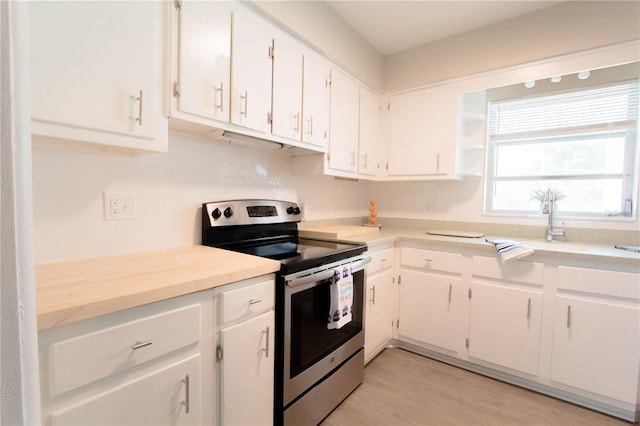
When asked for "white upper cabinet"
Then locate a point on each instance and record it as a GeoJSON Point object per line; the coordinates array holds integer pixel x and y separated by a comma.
{"type": "Point", "coordinates": [287, 87]}
{"type": "Point", "coordinates": [315, 99]}
{"type": "Point", "coordinates": [96, 72]}
{"type": "Point", "coordinates": [369, 133]}
{"type": "Point", "coordinates": [343, 142]}
{"type": "Point", "coordinates": [201, 76]}
{"type": "Point", "coordinates": [422, 139]}
{"type": "Point", "coordinates": [251, 71]}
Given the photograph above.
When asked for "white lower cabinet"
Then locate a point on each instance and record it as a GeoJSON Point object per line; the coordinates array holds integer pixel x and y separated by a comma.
{"type": "Point", "coordinates": [570, 330]}
{"type": "Point", "coordinates": [506, 313]}
{"type": "Point", "coordinates": [245, 352]}
{"type": "Point", "coordinates": [505, 326]}
{"type": "Point", "coordinates": [430, 299]}
{"type": "Point", "coordinates": [596, 332]}
{"type": "Point", "coordinates": [148, 365]}
{"type": "Point", "coordinates": [169, 395]}
{"type": "Point", "coordinates": [378, 318]}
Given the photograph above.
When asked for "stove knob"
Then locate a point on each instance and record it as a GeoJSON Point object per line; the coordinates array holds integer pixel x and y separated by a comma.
{"type": "Point", "coordinates": [228, 212]}
{"type": "Point", "coordinates": [290, 210]}
{"type": "Point", "coordinates": [296, 210]}
{"type": "Point", "coordinates": [216, 214]}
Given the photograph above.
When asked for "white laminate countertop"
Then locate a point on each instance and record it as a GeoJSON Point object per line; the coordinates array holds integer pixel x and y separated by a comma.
{"type": "Point", "coordinates": [578, 251]}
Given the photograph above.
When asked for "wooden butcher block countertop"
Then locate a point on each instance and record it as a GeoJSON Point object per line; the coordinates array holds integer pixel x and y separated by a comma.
{"type": "Point", "coordinates": [336, 232]}
{"type": "Point", "coordinates": [72, 291]}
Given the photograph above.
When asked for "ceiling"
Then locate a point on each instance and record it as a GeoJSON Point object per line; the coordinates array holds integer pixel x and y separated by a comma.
{"type": "Point", "coordinates": [393, 26]}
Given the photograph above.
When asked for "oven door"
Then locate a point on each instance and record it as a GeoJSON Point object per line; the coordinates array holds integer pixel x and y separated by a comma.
{"type": "Point", "coordinates": [311, 350]}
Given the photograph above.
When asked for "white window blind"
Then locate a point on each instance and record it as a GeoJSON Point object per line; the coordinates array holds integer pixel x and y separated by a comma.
{"type": "Point", "coordinates": [614, 106]}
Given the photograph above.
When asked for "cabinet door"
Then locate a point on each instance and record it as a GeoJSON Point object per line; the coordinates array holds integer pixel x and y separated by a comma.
{"type": "Point", "coordinates": [252, 41]}
{"type": "Point", "coordinates": [315, 99]}
{"type": "Point", "coordinates": [596, 347]}
{"type": "Point", "coordinates": [287, 87]}
{"type": "Point", "coordinates": [422, 129]}
{"type": "Point", "coordinates": [370, 130]}
{"type": "Point", "coordinates": [343, 142]}
{"type": "Point", "coordinates": [168, 396]}
{"type": "Point", "coordinates": [430, 309]}
{"type": "Point", "coordinates": [247, 372]}
{"type": "Point", "coordinates": [204, 49]}
{"type": "Point", "coordinates": [505, 326]}
{"type": "Point", "coordinates": [86, 75]}
{"type": "Point", "coordinates": [379, 311]}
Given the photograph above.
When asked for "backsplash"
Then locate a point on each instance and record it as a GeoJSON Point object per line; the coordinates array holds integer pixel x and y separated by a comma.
{"type": "Point", "coordinates": [69, 182]}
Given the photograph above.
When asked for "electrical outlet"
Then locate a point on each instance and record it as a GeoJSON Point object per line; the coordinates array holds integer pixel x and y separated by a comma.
{"type": "Point", "coordinates": [119, 206]}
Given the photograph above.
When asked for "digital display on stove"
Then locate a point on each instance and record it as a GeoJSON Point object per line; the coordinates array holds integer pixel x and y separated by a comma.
{"type": "Point", "coordinates": [262, 211]}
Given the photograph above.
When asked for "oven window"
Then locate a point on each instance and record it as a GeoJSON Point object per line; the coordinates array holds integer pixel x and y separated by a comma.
{"type": "Point", "coordinates": [310, 339]}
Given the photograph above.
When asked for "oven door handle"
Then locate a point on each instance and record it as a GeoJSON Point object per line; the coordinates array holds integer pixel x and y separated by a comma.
{"type": "Point", "coordinates": [324, 273]}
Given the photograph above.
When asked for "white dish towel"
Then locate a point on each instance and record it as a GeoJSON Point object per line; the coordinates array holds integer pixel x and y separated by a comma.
{"type": "Point", "coordinates": [508, 249]}
{"type": "Point", "coordinates": [341, 289]}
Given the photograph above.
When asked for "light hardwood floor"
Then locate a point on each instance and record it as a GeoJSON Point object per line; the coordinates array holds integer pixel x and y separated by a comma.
{"type": "Point", "coordinates": [403, 388]}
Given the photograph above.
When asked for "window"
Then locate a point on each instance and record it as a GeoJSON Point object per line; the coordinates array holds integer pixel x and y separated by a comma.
{"type": "Point", "coordinates": [583, 144]}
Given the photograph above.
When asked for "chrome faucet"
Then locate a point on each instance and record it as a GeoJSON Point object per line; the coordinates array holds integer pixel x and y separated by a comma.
{"type": "Point", "coordinates": [548, 207]}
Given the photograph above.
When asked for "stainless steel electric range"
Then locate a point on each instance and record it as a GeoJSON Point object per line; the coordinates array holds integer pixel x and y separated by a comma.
{"type": "Point", "coordinates": [315, 367]}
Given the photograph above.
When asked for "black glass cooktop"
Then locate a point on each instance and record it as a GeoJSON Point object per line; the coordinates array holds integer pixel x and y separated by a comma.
{"type": "Point", "coordinates": [305, 254]}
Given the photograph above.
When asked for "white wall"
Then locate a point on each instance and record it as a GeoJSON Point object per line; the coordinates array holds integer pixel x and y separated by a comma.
{"type": "Point", "coordinates": [566, 28]}
{"type": "Point", "coordinates": [69, 181]}
{"type": "Point", "coordinates": [19, 375]}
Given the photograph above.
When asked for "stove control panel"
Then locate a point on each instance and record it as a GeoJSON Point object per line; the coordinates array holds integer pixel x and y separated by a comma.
{"type": "Point", "coordinates": [249, 212]}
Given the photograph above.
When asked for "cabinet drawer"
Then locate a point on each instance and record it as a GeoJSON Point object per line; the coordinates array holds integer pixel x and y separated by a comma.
{"type": "Point", "coordinates": [598, 281]}
{"type": "Point", "coordinates": [431, 260]}
{"type": "Point", "coordinates": [518, 271]}
{"type": "Point", "coordinates": [380, 260]}
{"type": "Point", "coordinates": [247, 301]}
{"type": "Point", "coordinates": [89, 357]}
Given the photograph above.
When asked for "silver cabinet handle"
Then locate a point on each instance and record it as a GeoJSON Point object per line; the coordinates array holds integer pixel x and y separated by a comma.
{"type": "Point", "coordinates": [220, 106]}
{"type": "Point", "coordinates": [310, 120]}
{"type": "Point", "coordinates": [139, 344]}
{"type": "Point", "coordinates": [266, 348]}
{"type": "Point", "coordinates": [186, 394]}
{"type": "Point", "coordinates": [254, 301]}
{"type": "Point", "coordinates": [246, 103]}
{"type": "Point", "coordinates": [296, 124]}
{"type": "Point", "coordinates": [529, 308]}
{"type": "Point", "coordinates": [438, 163]}
{"type": "Point", "coordinates": [450, 290]}
{"type": "Point", "coordinates": [364, 157]}
{"type": "Point", "coordinates": [373, 295]}
{"type": "Point", "coordinates": [139, 99]}
{"type": "Point", "coordinates": [353, 157]}
{"type": "Point", "coordinates": [568, 316]}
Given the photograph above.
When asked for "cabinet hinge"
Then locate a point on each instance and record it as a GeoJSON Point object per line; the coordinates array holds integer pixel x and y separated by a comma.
{"type": "Point", "coordinates": [176, 89]}
{"type": "Point", "coordinates": [219, 353]}
{"type": "Point", "coordinates": [269, 118]}
{"type": "Point", "coordinates": [469, 292]}
{"type": "Point", "coordinates": [177, 4]}
{"type": "Point", "coordinates": [466, 343]}
{"type": "Point", "coordinates": [271, 51]}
